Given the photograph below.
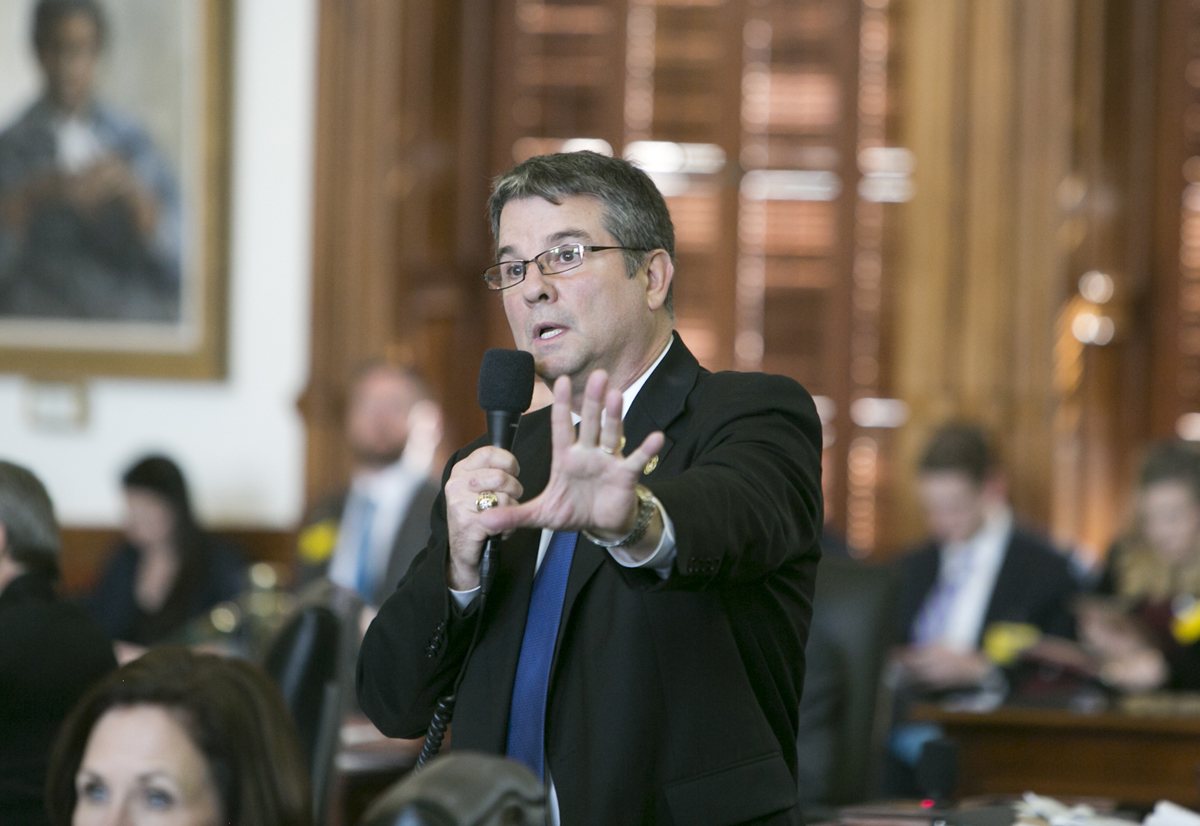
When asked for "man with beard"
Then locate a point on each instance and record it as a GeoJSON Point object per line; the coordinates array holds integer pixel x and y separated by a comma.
{"type": "Point", "coordinates": [364, 537]}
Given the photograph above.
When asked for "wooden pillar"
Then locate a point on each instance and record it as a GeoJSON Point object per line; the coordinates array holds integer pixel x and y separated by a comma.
{"type": "Point", "coordinates": [399, 233]}
{"type": "Point", "coordinates": [988, 88]}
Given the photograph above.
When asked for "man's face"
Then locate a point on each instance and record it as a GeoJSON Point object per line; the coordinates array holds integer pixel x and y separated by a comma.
{"type": "Point", "coordinates": [377, 417]}
{"type": "Point", "coordinates": [69, 60]}
{"type": "Point", "coordinates": [955, 505]}
{"type": "Point", "coordinates": [589, 318]}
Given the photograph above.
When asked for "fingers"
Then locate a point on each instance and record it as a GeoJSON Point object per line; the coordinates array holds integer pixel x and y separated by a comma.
{"type": "Point", "coordinates": [650, 446]}
{"type": "Point", "coordinates": [505, 520]}
{"type": "Point", "coordinates": [562, 433]}
{"type": "Point", "coordinates": [486, 469]}
{"type": "Point", "coordinates": [489, 457]}
{"type": "Point", "coordinates": [610, 432]}
{"type": "Point", "coordinates": [593, 403]}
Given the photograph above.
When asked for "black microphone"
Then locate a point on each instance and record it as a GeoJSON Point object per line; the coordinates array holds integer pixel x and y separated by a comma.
{"type": "Point", "coordinates": [505, 392]}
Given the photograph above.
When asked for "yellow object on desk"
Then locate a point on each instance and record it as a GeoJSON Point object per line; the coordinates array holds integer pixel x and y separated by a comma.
{"type": "Point", "coordinates": [317, 541]}
{"type": "Point", "coordinates": [1185, 624]}
{"type": "Point", "coordinates": [1003, 642]}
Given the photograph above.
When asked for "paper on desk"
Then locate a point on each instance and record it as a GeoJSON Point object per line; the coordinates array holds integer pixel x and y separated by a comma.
{"type": "Point", "coordinates": [1056, 813]}
{"type": "Point", "coordinates": [1167, 813]}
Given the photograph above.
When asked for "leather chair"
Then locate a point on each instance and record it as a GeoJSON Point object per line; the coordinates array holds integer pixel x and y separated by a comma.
{"type": "Point", "coordinates": [842, 724]}
{"type": "Point", "coordinates": [306, 661]}
{"type": "Point", "coordinates": [463, 789]}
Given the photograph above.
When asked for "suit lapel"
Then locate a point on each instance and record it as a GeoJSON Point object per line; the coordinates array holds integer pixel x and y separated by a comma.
{"type": "Point", "coordinates": [659, 403]}
{"type": "Point", "coordinates": [1011, 584]}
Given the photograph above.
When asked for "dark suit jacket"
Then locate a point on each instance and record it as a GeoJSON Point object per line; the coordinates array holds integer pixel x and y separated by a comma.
{"type": "Point", "coordinates": [50, 653]}
{"type": "Point", "coordinates": [670, 701]}
{"type": "Point", "coordinates": [1034, 586]}
{"type": "Point", "coordinates": [411, 537]}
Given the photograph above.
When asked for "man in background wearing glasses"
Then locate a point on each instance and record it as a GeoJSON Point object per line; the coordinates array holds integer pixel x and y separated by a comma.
{"type": "Point", "coordinates": [643, 645]}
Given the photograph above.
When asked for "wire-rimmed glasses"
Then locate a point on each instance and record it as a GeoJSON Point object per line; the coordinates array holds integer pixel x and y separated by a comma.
{"type": "Point", "coordinates": [563, 258]}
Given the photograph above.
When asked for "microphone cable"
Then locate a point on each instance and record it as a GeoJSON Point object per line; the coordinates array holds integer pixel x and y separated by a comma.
{"type": "Point", "coordinates": [505, 389]}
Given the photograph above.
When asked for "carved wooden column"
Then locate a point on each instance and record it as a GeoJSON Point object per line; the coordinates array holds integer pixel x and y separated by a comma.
{"type": "Point", "coordinates": [988, 89]}
{"type": "Point", "coordinates": [401, 180]}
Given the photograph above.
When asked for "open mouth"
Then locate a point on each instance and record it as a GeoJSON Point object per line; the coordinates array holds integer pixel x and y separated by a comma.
{"type": "Point", "coordinates": [545, 332]}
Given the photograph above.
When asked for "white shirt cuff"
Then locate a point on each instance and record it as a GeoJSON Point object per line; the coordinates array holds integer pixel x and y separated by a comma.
{"type": "Point", "coordinates": [464, 598]}
{"type": "Point", "coordinates": [664, 555]}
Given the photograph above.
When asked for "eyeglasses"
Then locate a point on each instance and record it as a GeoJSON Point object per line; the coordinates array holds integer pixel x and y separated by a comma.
{"type": "Point", "coordinates": [551, 262]}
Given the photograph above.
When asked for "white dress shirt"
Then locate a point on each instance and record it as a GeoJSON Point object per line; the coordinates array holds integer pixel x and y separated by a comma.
{"type": "Point", "coordinates": [982, 555]}
{"type": "Point", "coordinates": [391, 489]}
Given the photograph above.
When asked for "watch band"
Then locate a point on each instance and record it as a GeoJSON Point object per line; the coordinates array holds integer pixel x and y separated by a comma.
{"type": "Point", "coordinates": [645, 515]}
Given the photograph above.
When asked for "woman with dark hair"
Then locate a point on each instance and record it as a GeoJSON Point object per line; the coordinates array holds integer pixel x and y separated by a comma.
{"type": "Point", "coordinates": [178, 737]}
{"type": "Point", "coordinates": [1147, 634]}
{"type": "Point", "coordinates": [167, 570]}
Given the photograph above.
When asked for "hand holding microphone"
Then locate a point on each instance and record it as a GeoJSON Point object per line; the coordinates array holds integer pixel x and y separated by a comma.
{"type": "Point", "coordinates": [488, 477]}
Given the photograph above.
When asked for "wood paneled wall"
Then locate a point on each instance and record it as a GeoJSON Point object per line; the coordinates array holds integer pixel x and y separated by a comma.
{"type": "Point", "coordinates": [85, 551]}
{"type": "Point", "coordinates": [400, 235]}
{"type": "Point", "coordinates": [988, 92]}
{"type": "Point", "coordinates": [1048, 138]}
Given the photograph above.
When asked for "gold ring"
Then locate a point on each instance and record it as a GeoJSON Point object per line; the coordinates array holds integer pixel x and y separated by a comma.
{"type": "Point", "coordinates": [486, 499]}
{"type": "Point", "coordinates": [612, 450]}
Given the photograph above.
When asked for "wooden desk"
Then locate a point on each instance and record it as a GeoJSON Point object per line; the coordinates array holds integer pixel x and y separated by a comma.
{"type": "Point", "coordinates": [1131, 758]}
{"type": "Point", "coordinates": [365, 765]}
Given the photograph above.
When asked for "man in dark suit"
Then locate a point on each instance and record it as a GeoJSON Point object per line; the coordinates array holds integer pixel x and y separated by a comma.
{"type": "Point", "coordinates": [979, 569]}
{"type": "Point", "coordinates": [50, 650]}
{"type": "Point", "coordinates": [364, 538]}
{"type": "Point", "coordinates": [651, 671]}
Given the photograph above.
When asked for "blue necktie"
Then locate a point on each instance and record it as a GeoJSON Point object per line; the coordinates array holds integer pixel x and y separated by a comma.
{"type": "Point", "coordinates": [362, 577]}
{"type": "Point", "coordinates": [527, 715]}
{"type": "Point", "coordinates": [934, 615]}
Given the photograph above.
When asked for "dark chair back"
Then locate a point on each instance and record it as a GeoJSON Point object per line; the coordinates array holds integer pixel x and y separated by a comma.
{"type": "Point", "coordinates": [462, 789]}
{"type": "Point", "coordinates": [840, 742]}
{"type": "Point", "coordinates": [304, 662]}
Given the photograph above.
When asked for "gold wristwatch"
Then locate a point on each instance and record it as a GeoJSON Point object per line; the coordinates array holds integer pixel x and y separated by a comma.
{"type": "Point", "coordinates": [647, 505]}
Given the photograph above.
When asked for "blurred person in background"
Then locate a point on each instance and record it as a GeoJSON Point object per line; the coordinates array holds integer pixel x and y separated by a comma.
{"type": "Point", "coordinates": [89, 209]}
{"type": "Point", "coordinates": [979, 573]}
{"type": "Point", "coordinates": [1147, 634]}
{"type": "Point", "coordinates": [179, 737]}
{"type": "Point", "coordinates": [167, 570]}
{"type": "Point", "coordinates": [979, 567]}
{"type": "Point", "coordinates": [50, 651]}
{"type": "Point", "coordinates": [364, 538]}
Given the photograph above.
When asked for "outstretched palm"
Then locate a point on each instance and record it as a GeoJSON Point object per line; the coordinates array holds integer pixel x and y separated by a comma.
{"type": "Point", "coordinates": [591, 484]}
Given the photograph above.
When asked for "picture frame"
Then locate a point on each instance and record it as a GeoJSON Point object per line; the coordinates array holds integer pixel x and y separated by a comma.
{"type": "Point", "coordinates": [149, 298]}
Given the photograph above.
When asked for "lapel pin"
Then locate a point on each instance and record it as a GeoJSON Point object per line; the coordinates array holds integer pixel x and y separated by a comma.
{"type": "Point", "coordinates": [650, 466]}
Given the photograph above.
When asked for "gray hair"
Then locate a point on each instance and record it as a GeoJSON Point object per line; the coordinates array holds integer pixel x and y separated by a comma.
{"type": "Point", "coordinates": [635, 213]}
{"type": "Point", "coordinates": [27, 515]}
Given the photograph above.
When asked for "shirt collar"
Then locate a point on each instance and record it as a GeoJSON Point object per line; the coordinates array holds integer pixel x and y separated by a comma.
{"type": "Point", "coordinates": [996, 525]}
{"type": "Point", "coordinates": [632, 390]}
{"type": "Point", "coordinates": [373, 482]}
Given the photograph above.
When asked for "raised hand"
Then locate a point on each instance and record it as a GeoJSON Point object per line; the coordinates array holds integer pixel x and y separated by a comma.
{"type": "Point", "coordinates": [591, 484]}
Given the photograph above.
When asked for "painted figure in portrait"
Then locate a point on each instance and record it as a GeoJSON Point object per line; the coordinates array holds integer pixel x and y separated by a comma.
{"type": "Point", "coordinates": [90, 224]}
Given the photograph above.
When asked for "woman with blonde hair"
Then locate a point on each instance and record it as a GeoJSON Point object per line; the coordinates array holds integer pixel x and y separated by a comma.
{"type": "Point", "coordinates": [1148, 634]}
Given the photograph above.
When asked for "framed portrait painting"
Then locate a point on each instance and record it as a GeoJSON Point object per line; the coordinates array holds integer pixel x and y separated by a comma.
{"type": "Point", "coordinates": [114, 171]}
